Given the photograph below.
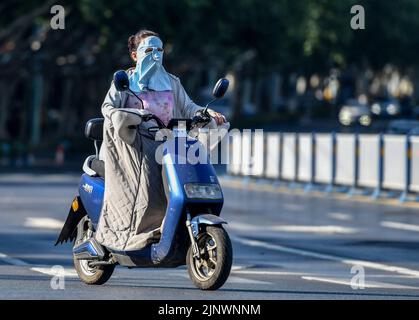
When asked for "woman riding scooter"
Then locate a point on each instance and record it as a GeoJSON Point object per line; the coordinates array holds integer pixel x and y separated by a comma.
{"type": "Point", "coordinates": [134, 201]}
{"type": "Point", "coordinates": [153, 84]}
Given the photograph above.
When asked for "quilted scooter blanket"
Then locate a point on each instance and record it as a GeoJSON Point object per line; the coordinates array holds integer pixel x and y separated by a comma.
{"type": "Point", "coordinates": [134, 201]}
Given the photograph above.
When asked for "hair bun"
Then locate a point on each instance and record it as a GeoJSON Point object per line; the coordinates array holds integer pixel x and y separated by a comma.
{"type": "Point", "coordinates": [134, 40]}
{"type": "Point", "coordinates": [131, 43]}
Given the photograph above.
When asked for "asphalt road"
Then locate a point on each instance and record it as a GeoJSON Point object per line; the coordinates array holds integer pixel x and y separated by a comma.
{"type": "Point", "coordinates": [286, 246]}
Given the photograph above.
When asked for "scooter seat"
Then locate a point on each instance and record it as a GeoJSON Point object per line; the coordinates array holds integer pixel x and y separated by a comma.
{"type": "Point", "coordinates": [94, 129]}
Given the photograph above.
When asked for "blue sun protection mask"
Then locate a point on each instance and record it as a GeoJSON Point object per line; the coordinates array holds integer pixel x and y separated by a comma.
{"type": "Point", "coordinates": [149, 74]}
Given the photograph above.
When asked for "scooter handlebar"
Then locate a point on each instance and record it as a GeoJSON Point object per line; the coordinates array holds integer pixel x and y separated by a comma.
{"type": "Point", "coordinates": [201, 118]}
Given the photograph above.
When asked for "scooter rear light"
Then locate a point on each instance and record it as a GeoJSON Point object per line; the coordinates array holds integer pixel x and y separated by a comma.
{"type": "Point", "coordinates": [203, 191]}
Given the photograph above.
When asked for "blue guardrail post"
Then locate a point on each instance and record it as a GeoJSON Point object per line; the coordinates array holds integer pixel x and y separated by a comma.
{"type": "Point", "coordinates": [331, 185]}
{"type": "Point", "coordinates": [377, 192]}
{"type": "Point", "coordinates": [310, 185]}
{"type": "Point", "coordinates": [294, 182]}
{"type": "Point", "coordinates": [408, 169]}
{"type": "Point", "coordinates": [354, 187]}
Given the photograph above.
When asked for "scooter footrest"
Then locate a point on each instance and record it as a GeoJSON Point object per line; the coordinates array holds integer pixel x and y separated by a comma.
{"type": "Point", "coordinates": [89, 250]}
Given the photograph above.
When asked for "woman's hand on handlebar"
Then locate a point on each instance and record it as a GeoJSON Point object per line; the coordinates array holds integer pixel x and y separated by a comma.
{"type": "Point", "coordinates": [218, 117]}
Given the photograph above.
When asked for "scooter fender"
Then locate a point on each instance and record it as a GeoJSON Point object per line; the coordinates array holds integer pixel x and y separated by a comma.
{"type": "Point", "coordinates": [76, 213]}
{"type": "Point", "coordinates": [205, 219]}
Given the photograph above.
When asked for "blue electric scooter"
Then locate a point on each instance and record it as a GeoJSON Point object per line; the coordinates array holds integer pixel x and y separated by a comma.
{"type": "Point", "coordinates": [192, 231]}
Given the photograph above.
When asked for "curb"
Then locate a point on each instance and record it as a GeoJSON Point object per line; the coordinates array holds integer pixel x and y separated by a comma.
{"type": "Point", "coordinates": [237, 183]}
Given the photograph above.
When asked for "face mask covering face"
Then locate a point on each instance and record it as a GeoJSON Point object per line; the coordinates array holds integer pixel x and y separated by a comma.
{"type": "Point", "coordinates": [149, 73]}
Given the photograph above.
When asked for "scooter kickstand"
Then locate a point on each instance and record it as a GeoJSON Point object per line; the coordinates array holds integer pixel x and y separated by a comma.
{"type": "Point", "coordinates": [195, 247]}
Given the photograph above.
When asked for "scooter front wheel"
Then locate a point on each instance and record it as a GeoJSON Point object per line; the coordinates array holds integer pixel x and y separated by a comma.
{"type": "Point", "coordinates": [211, 270]}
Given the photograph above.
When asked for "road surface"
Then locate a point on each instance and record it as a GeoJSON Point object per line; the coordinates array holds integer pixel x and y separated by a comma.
{"type": "Point", "coordinates": [286, 246]}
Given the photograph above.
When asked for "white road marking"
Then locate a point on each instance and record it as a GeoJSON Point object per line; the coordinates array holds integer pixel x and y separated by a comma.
{"type": "Point", "coordinates": [43, 223]}
{"type": "Point", "coordinates": [346, 282]}
{"type": "Point", "coordinates": [51, 272]}
{"type": "Point", "coordinates": [399, 225]}
{"type": "Point", "coordinates": [293, 207]}
{"type": "Point", "coordinates": [241, 280]}
{"type": "Point", "coordinates": [240, 226]}
{"type": "Point", "coordinates": [306, 253]}
{"type": "Point", "coordinates": [231, 279]}
{"type": "Point", "coordinates": [270, 273]}
{"type": "Point", "coordinates": [41, 269]}
{"type": "Point", "coordinates": [23, 177]}
{"type": "Point", "coordinates": [33, 200]}
{"type": "Point", "coordinates": [237, 267]}
{"type": "Point", "coordinates": [340, 216]}
{"type": "Point", "coordinates": [13, 261]}
{"type": "Point", "coordinates": [315, 229]}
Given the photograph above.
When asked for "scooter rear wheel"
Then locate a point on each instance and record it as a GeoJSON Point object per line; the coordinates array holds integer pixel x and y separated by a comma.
{"type": "Point", "coordinates": [96, 275]}
{"type": "Point", "coordinates": [92, 275]}
{"type": "Point", "coordinates": [212, 269]}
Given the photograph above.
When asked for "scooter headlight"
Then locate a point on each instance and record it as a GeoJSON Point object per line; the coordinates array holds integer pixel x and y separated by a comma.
{"type": "Point", "coordinates": [203, 191]}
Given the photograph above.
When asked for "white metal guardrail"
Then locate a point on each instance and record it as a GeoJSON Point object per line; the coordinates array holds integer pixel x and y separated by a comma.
{"type": "Point", "coordinates": [369, 161]}
{"type": "Point", "coordinates": [305, 151]}
{"type": "Point", "coordinates": [273, 150]}
{"type": "Point", "coordinates": [235, 154]}
{"type": "Point", "coordinates": [345, 159]}
{"type": "Point", "coordinates": [369, 153]}
{"type": "Point", "coordinates": [258, 154]}
{"type": "Point", "coordinates": [289, 156]}
{"type": "Point", "coordinates": [414, 169]}
{"type": "Point", "coordinates": [246, 154]}
{"type": "Point", "coordinates": [324, 161]}
{"type": "Point", "coordinates": [394, 174]}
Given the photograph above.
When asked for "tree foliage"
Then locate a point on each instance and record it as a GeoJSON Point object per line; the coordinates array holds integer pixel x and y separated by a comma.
{"type": "Point", "coordinates": [283, 34]}
{"type": "Point", "coordinates": [251, 36]}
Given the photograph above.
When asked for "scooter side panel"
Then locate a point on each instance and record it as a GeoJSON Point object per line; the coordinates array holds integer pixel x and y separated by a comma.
{"type": "Point", "coordinates": [175, 207]}
{"type": "Point", "coordinates": [191, 161]}
{"type": "Point", "coordinates": [137, 258]}
{"type": "Point", "coordinates": [200, 172]}
{"type": "Point", "coordinates": [91, 191]}
{"type": "Point", "coordinates": [177, 173]}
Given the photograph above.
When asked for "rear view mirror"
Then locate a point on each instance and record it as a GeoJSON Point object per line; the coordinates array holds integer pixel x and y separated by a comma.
{"type": "Point", "coordinates": [220, 88]}
{"type": "Point", "coordinates": [120, 80]}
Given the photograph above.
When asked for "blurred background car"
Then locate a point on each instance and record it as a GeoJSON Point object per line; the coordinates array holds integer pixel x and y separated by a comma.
{"type": "Point", "coordinates": [386, 108]}
{"type": "Point", "coordinates": [355, 113]}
